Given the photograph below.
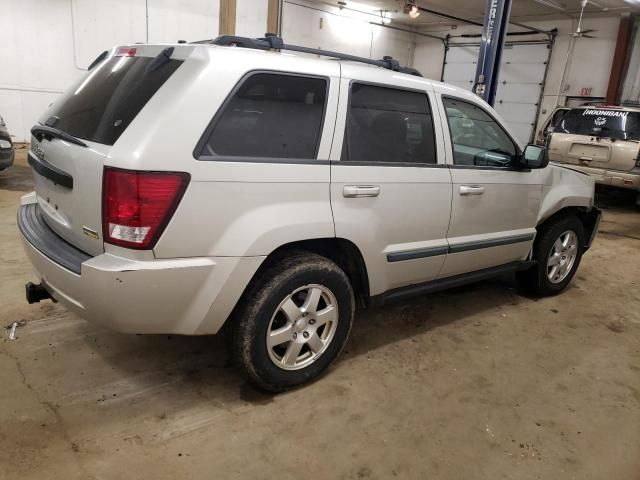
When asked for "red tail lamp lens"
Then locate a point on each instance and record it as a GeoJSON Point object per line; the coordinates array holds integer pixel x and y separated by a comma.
{"type": "Point", "coordinates": [137, 206]}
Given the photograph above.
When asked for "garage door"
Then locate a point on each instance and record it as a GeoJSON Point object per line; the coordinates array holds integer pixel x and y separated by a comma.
{"type": "Point", "coordinates": [521, 81]}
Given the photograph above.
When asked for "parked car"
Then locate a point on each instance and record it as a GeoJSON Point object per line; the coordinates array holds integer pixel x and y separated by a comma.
{"type": "Point", "coordinates": [6, 146]}
{"type": "Point", "coordinates": [603, 142]}
{"type": "Point", "coordinates": [180, 189]}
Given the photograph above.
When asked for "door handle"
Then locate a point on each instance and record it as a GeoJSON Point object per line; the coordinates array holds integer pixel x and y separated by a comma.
{"type": "Point", "coordinates": [354, 191]}
{"type": "Point", "coordinates": [471, 190]}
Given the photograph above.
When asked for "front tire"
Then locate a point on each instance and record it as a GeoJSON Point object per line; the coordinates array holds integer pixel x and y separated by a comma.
{"type": "Point", "coordinates": [293, 322]}
{"type": "Point", "coordinates": [557, 252]}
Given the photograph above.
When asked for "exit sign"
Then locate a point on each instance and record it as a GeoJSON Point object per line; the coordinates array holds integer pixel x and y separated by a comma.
{"type": "Point", "coordinates": [585, 91]}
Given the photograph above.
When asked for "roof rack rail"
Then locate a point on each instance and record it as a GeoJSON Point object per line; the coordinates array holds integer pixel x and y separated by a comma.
{"type": "Point", "coordinates": [272, 41]}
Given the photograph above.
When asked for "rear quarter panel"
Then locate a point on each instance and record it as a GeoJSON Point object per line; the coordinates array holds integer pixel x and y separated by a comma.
{"type": "Point", "coordinates": [232, 206]}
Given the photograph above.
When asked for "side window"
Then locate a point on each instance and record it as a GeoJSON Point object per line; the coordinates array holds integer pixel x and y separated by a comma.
{"type": "Point", "coordinates": [388, 125]}
{"type": "Point", "coordinates": [271, 115]}
{"type": "Point", "coordinates": [476, 137]}
{"type": "Point", "coordinates": [557, 117]}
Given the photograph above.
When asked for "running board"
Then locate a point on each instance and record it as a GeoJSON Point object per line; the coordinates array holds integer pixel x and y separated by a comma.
{"type": "Point", "coordinates": [446, 283]}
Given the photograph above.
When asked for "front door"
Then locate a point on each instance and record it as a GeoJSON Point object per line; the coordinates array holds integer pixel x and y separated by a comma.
{"type": "Point", "coordinates": [390, 189]}
{"type": "Point", "coordinates": [494, 204]}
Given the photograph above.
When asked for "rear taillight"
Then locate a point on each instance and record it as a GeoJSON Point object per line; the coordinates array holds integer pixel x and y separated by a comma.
{"type": "Point", "coordinates": [136, 206]}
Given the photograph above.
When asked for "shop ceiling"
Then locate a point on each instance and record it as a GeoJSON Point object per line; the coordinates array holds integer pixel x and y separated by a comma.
{"type": "Point", "coordinates": [521, 10]}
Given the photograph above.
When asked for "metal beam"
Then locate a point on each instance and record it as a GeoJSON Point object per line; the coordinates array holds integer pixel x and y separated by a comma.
{"type": "Point", "coordinates": [620, 55]}
{"type": "Point", "coordinates": [494, 30]}
{"type": "Point", "coordinates": [274, 17]}
{"type": "Point", "coordinates": [227, 19]}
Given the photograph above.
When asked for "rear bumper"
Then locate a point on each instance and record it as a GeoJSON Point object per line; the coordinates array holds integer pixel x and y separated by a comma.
{"type": "Point", "coordinates": [189, 296]}
{"type": "Point", "coordinates": [614, 178]}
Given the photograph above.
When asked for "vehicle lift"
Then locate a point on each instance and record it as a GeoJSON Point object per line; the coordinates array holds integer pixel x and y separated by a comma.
{"type": "Point", "coordinates": [494, 31]}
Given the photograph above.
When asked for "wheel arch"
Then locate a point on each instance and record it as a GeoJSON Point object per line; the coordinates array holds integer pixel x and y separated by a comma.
{"type": "Point", "coordinates": [342, 252]}
{"type": "Point", "coordinates": [590, 218]}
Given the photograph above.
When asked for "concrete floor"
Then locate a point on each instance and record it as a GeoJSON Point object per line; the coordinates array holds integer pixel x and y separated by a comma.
{"type": "Point", "coordinates": [476, 383]}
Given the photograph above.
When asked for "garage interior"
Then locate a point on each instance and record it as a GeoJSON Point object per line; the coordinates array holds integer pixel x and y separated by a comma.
{"type": "Point", "coordinates": [476, 382]}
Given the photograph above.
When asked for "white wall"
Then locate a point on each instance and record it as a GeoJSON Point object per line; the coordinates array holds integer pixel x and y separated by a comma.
{"type": "Point", "coordinates": [251, 18]}
{"type": "Point", "coordinates": [588, 64]}
{"type": "Point", "coordinates": [46, 43]}
{"type": "Point", "coordinates": [329, 28]}
{"type": "Point", "coordinates": [53, 41]}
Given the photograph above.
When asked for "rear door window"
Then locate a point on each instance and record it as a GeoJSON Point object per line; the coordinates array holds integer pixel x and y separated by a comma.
{"type": "Point", "coordinates": [618, 124]}
{"type": "Point", "coordinates": [103, 104]}
{"type": "Point", "coordinates": [270, 116]}
{"type": "Point", "coordinates": [388, 125]}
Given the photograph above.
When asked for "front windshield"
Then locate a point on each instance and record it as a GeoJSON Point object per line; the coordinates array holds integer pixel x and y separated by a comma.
{"type": "Point", "coordinates": [618, 124]}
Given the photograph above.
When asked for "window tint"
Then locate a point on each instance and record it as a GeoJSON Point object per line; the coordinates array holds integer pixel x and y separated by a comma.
{"type": "Point", "coordinates": [618, 124]}
{"type": "Point", "coordinates": [477, 139]}
{"type": "Point", "coordinates": [271, 115]}
{"type": "Point", "coordinates": [105, 101]}
{"type": "Point", "coordinates": [388, 125]}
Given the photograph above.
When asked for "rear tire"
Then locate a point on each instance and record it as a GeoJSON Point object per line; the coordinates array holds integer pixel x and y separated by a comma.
{"type": "Point", "coordinates": [557, 252]}
{"type": "Point", "coordinates": [293, 322]}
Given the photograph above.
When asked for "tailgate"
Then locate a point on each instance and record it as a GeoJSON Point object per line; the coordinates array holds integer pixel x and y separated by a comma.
{"type": "Point", "coordinates": [605, 138]}
{"type": "Point", "coordinates": [75, 136]}
{"type": "Point", "coordinates": [68, 185]}
{"type": "Point", "coordinates": [605, 153]}
{"type": "Point", "coordinates": [590, 152]}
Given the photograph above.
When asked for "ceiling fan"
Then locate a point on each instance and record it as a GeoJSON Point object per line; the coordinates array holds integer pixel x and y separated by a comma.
{"type": "Point", "coordinates": [579, 33]}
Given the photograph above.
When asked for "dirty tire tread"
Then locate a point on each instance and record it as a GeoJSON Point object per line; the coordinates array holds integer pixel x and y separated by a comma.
{"type": "Point", "coordinates": [534, 280]}
{"type": "Point", "coordinates": [258, 304]}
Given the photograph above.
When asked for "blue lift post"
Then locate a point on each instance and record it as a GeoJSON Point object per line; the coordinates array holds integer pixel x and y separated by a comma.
{"type": "Point", "coordinates": [494, 31]}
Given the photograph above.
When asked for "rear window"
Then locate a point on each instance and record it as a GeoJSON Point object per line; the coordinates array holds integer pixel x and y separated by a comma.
{"type": "Point", "coordinates": [616, 124]}
{"type": "Point", "coordinates": [108, 98]}
{"type": "Point", "coordinates": [272, 116]}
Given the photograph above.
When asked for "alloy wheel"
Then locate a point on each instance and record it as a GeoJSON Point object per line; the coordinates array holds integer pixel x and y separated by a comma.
{"type": "Point", "coordinates": [302, 327]}
{"type": "Point", "coordinates": [562, 256]}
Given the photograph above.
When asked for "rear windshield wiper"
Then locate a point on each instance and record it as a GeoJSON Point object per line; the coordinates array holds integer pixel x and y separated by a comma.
{"type": "Point", "coordinates": [43, 131]}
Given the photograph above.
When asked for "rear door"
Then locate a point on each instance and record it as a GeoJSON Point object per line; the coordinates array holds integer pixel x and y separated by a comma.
{"type": "Point", "coordinates": [597, 138]}
{"type": "Point", "coordinates": [74, 137]}
{"type": "Point", "coordinates": [390, 190]}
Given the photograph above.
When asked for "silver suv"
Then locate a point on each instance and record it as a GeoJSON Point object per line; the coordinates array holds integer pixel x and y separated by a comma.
{"type": "Point", "coordinates": [183, 188]}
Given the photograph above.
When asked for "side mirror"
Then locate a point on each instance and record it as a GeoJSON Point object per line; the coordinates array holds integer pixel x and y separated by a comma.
{"type": "Point", "coordinates": [534, 156]}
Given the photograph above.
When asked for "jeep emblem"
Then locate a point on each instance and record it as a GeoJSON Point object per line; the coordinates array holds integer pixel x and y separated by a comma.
{"type": "Point", "coordinates": [38, 150]}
